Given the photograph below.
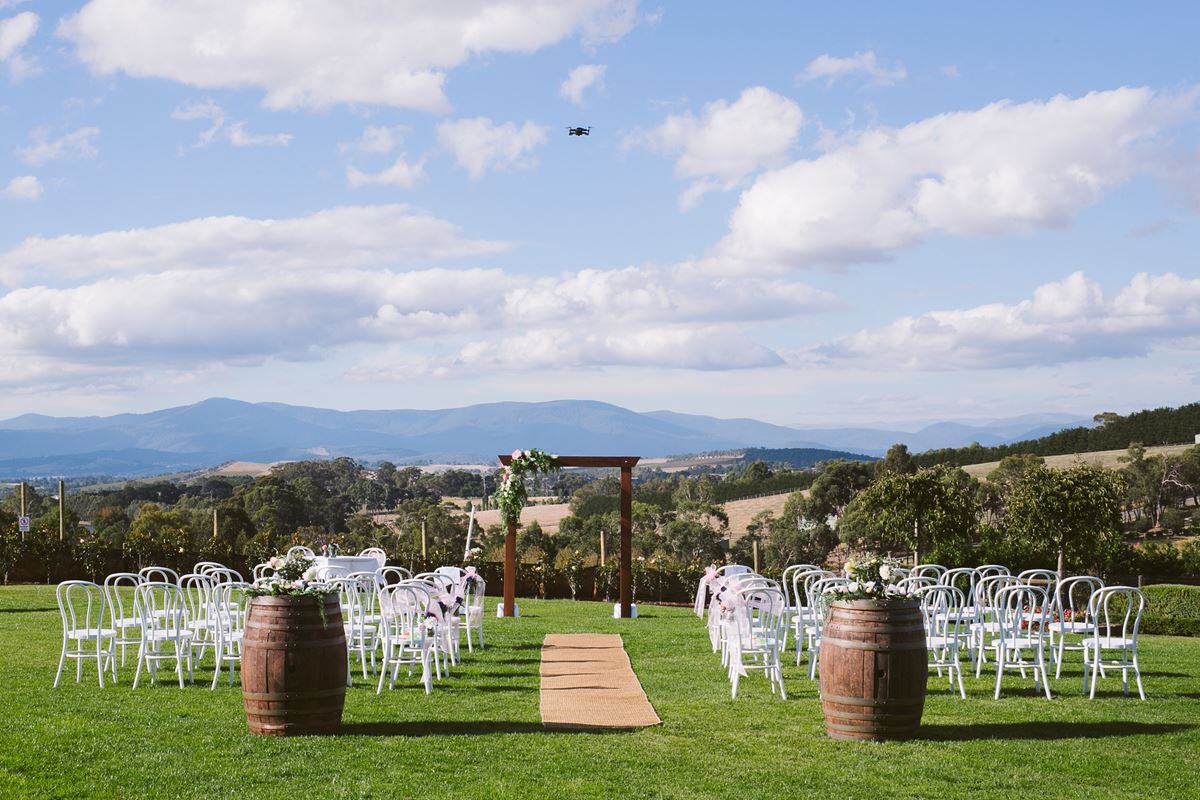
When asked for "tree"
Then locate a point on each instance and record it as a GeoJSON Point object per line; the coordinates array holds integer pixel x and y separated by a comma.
{"type": "Point", "coordinates": [1074, 512]}
{"type": "Point", "coordinates": [835, 487]}
{"type": "Point", "coordinates": [932, 511]}
{"type": "Point", "coordinates": [897, 460]}
{"type": "Point", "coordinates": [1145, 477]}
{"type": "Point", "coordinates": [158, 537]}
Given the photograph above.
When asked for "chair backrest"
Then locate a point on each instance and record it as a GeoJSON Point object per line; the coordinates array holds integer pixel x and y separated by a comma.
{"type": "Point", "coordinates": [159, 575]}
{"type": "Point", "coordinates": [329, 573]}
{"type": "Point", "coordinates": [935, 571]}
{"type": "Point", "coordinates": [820, 601]}
{"type": "Point", "coordinates": [260, 571]}
{"type": "Point", "coordinates": [988, 570]}
{"type": "Point", "coordinates": [474, 592]}
{"type": "Point", "coordinates": [807, 579]}
{"type": "Point", "coordinates": [436, 579]}
{"type": "Point", "coordinates": [230, 605]}
{"type": "Point", "coordinates": [81, 606]}
{"type": "Point", "coordinates": [732, 569]}
{"type": "Point", "coordinates": [914, 583]}
{"type": "Point", "coordinates": [1045, 578]}
{"type": "Point", "coordinates": [198, 596]}
{"type": "Point", "coordinates": [161, 607]}
{"type": "Point", "coordinates": [205, 566]}
{"type": "Point", "coordinates": [940, 605]}
{"type": "Point", "coordinates": [115, 587]}
{"type": "Point", "coordinates": [302, 550]}
{"type": "Point", "coordinates": [1071, 600]}
{"type": "Point", "coordinates": [759, 614]}
{"type": "Point", "coordinates": [962, 578]}
{"type": "Point", "coordinates": [392, 574]}
{"type": "Point", "coordinates": [454, 573]}
{"type": "Point", "coordinates": [378, 553]}
{"type": "Point", "coordinates": [786, 579]}
{"type": "Point", "coordinates": [1114, 607]}
{"type": "Point", "coordinates": [1023, 611]}
{"type": "Point", "coordinates": [224, 575]}
{"type": "Point", "coordinates": [986, 589]}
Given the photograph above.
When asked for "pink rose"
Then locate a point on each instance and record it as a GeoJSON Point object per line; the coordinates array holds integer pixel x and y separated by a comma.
{"type": "Point", "coordinates": [516, 454]}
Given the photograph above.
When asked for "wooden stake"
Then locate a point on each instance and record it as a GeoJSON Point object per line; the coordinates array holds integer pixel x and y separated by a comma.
{"type": "Point", "coordinates": [62, 511]}
{"type": "Point", "coordinates": [754, 545]}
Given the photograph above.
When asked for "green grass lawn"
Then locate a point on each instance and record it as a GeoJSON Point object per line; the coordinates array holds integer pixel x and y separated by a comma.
{"type": "Point", "coordinates": [479, 735]}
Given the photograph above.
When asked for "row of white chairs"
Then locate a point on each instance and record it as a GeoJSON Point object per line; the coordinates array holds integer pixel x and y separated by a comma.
{"type": "Point", "coordinates": [1026, 622]}
{"type": "Point", "coordinates": [747, 619]}
{"type": "Point", "coordinates": [179, 617]}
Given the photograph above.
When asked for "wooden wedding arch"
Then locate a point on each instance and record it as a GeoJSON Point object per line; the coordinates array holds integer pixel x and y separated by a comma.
{"type": "Point", "coordinates": [626, 465]}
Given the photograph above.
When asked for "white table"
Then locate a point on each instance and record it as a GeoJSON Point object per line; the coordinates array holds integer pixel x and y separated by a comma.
{"type": "Point", "coordinates": [348, 563]}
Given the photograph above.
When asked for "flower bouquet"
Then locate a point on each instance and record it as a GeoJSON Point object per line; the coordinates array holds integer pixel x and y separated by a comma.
{"type": "Point", "coordinates": [871, 578]}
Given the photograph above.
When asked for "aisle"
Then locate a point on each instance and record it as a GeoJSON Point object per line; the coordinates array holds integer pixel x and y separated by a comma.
{"type": "Point", "coordinates": [587, 682]}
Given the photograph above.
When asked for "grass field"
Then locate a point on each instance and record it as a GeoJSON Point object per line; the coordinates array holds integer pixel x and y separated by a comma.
{"type": "Point", "coordinates": [1105, 458]}
{"type": "Point", "coordinates": [478, 734]}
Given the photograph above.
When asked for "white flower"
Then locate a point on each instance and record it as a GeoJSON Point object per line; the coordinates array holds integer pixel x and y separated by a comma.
{"type": "Point", "coordinates": [869, 587]}
{"type": "Point", "coordinates": [516, 454]}
{"type": "Point", "coordinates": [310, 574]}
{"type": "Point", "coordinates": [276, 562]}
{"type": "Point", "coordinates": [885, 572]}
{"type": "Point", "coordinates": [852, 586]}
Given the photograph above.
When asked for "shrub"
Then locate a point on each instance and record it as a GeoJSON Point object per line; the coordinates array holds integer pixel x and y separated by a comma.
{"type": "Point", "coordinates": [1172, 610]}
{"type": "Point", "coordinates": [1190, 556]}
{"type": "Point", "coordinates": [1172, 521]}
{"type": "Point", "coordinates": [1157, 558]}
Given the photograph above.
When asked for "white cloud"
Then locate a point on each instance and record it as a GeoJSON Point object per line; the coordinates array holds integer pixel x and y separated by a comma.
{"type": "Point", "coordinates": [41, 149]}
{"type": "Point", "coordinates": [403, 173]}
{"type": "Point", "coordinates": [1064, 321]}
{"type": "Point", "coordinates": [347, 237]}
{"type": "Point", "coordinates": [242, 291]}
{"type": "Point", "coordinates": [15, 33]}
{"type": "Point", "coordinates": [580, 79]}
{"type": "Point", "coordinates": [831, 68]}
{"type": "Point", "coordinates": [375, 140]}
{"type": "Point", "coordinates": [1008, 167]}
{"type": "Point", "coordinates": [324, 52]}
{"type": "Point", "coordinates": [234, 132]}
{"type": "Point", "coordinates": [480, 145]}
{"type": "Point", "coordinates": [727, 142]}
{"type": "Point", "coordinates": [24, 187]}
{"type": "Point", "coordinates": [380, 140]}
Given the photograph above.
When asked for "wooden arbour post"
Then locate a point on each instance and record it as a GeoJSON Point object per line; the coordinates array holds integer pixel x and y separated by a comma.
{"type": "Point", "coordinates": [626, 465]}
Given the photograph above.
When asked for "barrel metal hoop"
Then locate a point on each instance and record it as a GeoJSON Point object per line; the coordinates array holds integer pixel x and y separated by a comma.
{"type": "Point", "coordinates": [849, 644]}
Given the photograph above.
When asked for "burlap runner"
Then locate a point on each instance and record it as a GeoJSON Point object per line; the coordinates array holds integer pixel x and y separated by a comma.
{"type": "Point", "coordinates": [587, 682]}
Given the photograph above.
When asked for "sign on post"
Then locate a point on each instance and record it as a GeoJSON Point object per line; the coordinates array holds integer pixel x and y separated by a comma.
{"type": "Point", "coordinates": [23, 524]}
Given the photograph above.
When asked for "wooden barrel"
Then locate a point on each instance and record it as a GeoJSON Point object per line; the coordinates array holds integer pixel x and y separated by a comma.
{"type": "Point", "coordinates": [294, 666]}
{"type": "Point", "coordinates": [873, 669]}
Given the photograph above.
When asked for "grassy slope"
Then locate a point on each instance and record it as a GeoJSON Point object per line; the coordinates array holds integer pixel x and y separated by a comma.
{"type": "Point", "coordinates": [479, 735]}
{"type": "Point", "coordinates": [1105, 458]}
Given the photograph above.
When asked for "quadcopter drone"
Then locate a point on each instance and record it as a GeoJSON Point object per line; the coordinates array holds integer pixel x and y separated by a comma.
{"type": "Point", "coordinates": [579, 131]}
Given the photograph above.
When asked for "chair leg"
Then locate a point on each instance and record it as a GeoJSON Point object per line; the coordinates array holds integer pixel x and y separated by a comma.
{"type": "Point", "coordinates": [1137, 673]}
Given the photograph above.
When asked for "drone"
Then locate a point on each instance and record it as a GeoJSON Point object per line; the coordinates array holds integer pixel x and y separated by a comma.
{"type": "Point", "coordinates": [579, 131]}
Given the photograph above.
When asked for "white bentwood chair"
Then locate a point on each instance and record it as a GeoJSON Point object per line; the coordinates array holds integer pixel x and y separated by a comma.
{"type": "Point", "coordinates": [757, 631]}
{"type": "Point", "coordinates": [942, 608]}
{"type": "Point", "coordinates": [1117, 613]}
{"type": "Point", "coordinates": [406, 638]}
{"type": "Point", "coordinates": [1021, 642]}
{"type": "Point", "coordinates": [163, 612]}
{"type": "Point", "coordinates": [1069, 615]}
{"type": "Point", "coordinates": [82, 609]}
{"type": "Point", "coordinates": [118, 592]}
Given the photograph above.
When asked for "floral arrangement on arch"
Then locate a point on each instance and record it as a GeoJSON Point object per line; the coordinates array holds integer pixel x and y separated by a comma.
{"type": "Point", "coordinates": [513, 494]}
{"type": "Point", "coordinates": [872, 577]}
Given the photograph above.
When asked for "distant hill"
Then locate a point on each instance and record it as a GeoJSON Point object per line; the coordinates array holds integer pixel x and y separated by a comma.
{"type": "Point", "coordinates": [801, 457]}
{"type": "Point", "coordinates": [219, 430]}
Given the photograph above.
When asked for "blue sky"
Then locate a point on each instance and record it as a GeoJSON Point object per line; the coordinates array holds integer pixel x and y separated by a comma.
{"type": "Point", "coordinates": [805, 214]}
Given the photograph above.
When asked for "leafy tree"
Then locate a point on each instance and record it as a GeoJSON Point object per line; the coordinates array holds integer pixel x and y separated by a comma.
{"type": "Point", "coordinates": [897, 460]}
{"type": "Point", "coordinates": [835, 487]}
{"type": "Point", "coordinates": [932, 511]}
{"type": "Point", "coordinates": [1144, 477]}
{"type": "Point", "coordinates": [158, 537]}
{"type": "Point", "coordinates": [12, 544]}
{"type": "Point", "coordinates": [1074, 512]}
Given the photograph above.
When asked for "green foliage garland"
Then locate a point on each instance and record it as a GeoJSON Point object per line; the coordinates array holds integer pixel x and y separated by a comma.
{"type": "Point", "coordinates": [513, 494]}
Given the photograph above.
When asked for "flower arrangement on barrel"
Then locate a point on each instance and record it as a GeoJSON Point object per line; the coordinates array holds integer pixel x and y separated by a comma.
{"type": "Point", "coordinates": [295, 576]}
{"type": "Point", "coordinates": [513, 493]}
{"type": "Point", "coordinates": [872, 577]}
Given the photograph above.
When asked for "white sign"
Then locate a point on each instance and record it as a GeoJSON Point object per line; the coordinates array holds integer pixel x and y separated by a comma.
{"type": "Point", "coordinates": [23, 524]}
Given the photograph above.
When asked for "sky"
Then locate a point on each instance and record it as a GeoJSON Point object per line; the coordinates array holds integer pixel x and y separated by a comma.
{"type": "Point", "coordinates": [809, 214]}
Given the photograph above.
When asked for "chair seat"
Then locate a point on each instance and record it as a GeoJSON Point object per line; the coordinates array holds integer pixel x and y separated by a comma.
{"type": "Point", "coordinates": [1072, 627]}
{"type": "Point", "coordinates": [1109, 642]}
{"type": "Point", "coordinates": [939, 642]}
{"type": "Point", "coordinates": [1019, 643]}
{"type": "Point", "coordinates": [92, 633]}
{"type": "Point", "coordinates": [166, 636]}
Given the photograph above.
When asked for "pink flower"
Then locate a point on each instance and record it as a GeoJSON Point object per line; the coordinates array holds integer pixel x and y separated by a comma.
{"type": "Point", "coordinates": [516, 454]}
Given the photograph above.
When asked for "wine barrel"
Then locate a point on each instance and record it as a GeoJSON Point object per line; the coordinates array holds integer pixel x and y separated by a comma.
{"type": "Point", "coordinates": [294, 666]}
{"type": "Point", "coordinates": [873, 669]}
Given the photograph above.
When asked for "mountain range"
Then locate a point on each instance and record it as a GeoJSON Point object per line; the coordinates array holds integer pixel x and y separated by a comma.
{"type": "Point", "coordinates": [218, 430]}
